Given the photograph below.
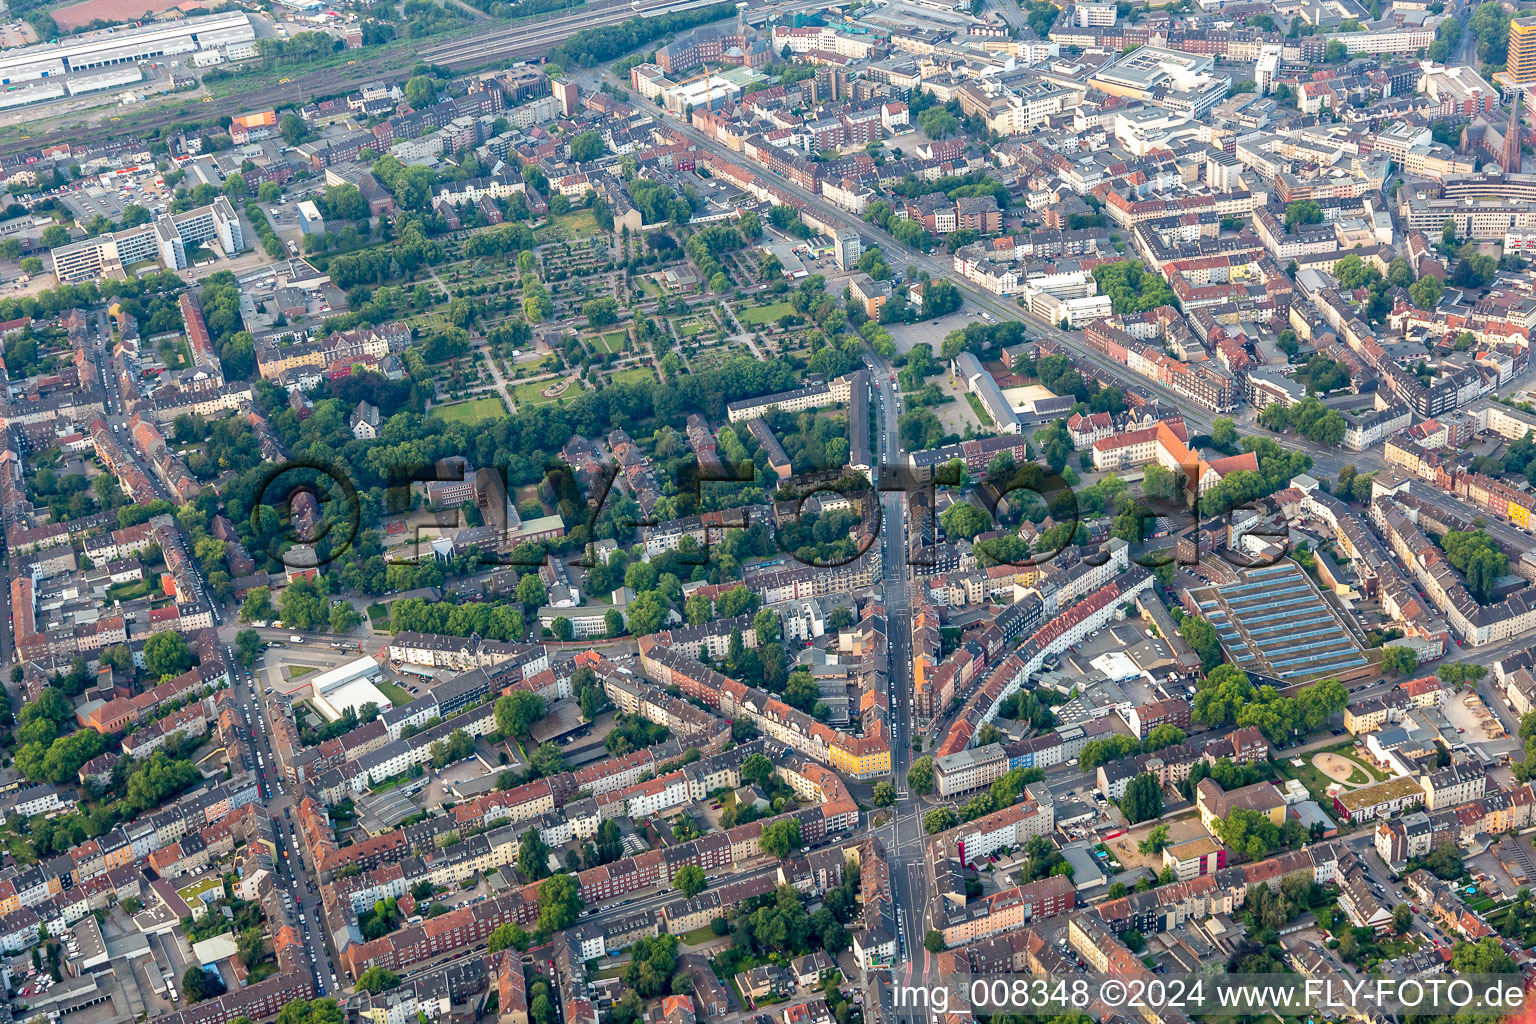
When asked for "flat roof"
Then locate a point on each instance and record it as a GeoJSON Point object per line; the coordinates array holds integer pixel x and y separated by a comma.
{"type": "Point", "coordinates": [335, 677]}
{"type": "Point", "coordinates": [354, 694]}
{"type": "Point", "coordinates": [211, 951]}
{"type": "Point", "coordinates": [125, 39]}
{"type": "Point", "coordinates": [1367, 796]}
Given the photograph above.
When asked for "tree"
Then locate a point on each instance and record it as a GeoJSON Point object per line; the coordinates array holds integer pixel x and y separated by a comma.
{"type": "Point", "coordinates": [343, 617]}
{"type": "Point", "coordinates": [559, 903]}
{"type": "Point", "coordinates": [530, 590]}
{"type": "Point", "coordinates": [292, 129]}
{"type": "Point", "coordinates": [1304, 212]}
{"type": "Point", "coordinates": [1155, 841]}
{"type": "Point", "coordinates": [689, 881]}
{"type": "Point", "coordinates": [697, 610]}
{"type": "Point", "coordinates": [1335, 52]}
{"type": "Point", "coordinates": [166, 654]}
{"type": "Point", "coordinates": [756, 770]}
{"type": "Point", "coordinates": [269, 192]}
{"type": "Point", "coordinates": [563, 628]}
{"type": "Point", "coordinates": [1475, 271]}
{"type": "Point", "coordinates": [587, 146]}
{"type": "Point", "coordinates": [936, 122]}
{"type": "Point", "coordinates": [248, 645]}
{"type": "Point", "coordinates": [1426, 291]}
{"type": "Point", "coordinates": [885, 794]}
{"type": "Point", "coordinates": [780, 838]}
{"type": "Point", "coordinates": [933, 942]}
{"type": "Point", "coordinates": [963, 520]}
{"type": "Point", "coordinates": [939, 820]}
{"type": "Point", "coordinates": [1160, 736]}
{"type": "Point", "coordinates": [920, 775]}
{"type": "Point", "coordinates": [767, 625]}
{"type": "Point", "coordinates": [257, 606]}
{"type": "Point", "coordinates": [1399, 661]}
{"type": "Point", "coordinates": [251, 945]}
{"type": "Point", "coordinates": [1486, 956]}
{"type": "Point", "coordinates": [646, 613]}
{"type": "Point", "coordinates": [1161, 483]}
{"type": "Point", "coordinates": [54, 235]}
{"type": "Point", "coordinates": [420, 91]}
{"type": "Point", "coordinates": [506, 936]}
{"type": "Point", "coordinates": [1201, 636]}
{"type": "Point", "coordinates": [1460, 674]}
{"type": "Point", "coordinates": [378, 979]}
{"type": "Point", "coordinates": [1402, 918]}
{"type": "Point", "coordinates": [1110, 748]}
{"type": "Point", "coordinates": [516, 712]}
{"type": "Point", "coordinates": [533, 856]}
{"type": "Point", "coordinates": [1143, 799]}
{"type": "Point", "coordinates": [197, 985]}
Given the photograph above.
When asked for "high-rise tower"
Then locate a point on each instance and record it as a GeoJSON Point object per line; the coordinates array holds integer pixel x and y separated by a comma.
{"type": "Point", "coordinates": [1520, 62]}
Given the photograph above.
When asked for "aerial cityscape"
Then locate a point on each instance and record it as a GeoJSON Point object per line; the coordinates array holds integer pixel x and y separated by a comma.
{"type": "Point", "coordinates": [692, 512]}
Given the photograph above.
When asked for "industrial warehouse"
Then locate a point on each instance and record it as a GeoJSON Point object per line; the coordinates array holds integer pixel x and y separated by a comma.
{"type": "Point", "coordinates": [128, 46]}
{"type": "Point", "coordinates": [110, 59]}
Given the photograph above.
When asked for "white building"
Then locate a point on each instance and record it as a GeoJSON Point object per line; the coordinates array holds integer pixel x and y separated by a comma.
{"type": "Point", "coordinates": [310, 220]}
{"type": "Point", "coordinates": [124, 46]}
{"type": "Point", "coordinates": [1077, 313]}
{"type": "Point", "coordinates": [1093, 15]}
{"type": "Point", "coordinates": [1267, 67]}
{"type": "Point", "coordinates": [163, 241]}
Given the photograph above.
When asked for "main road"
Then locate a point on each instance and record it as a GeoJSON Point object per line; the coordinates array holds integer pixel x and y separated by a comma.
{"type": "Point", "coordinates": [902, 834]}
{"type": "Point", "coordinates": [295, 875]}
{"type": "Point", "coordinates": [1327, 460]}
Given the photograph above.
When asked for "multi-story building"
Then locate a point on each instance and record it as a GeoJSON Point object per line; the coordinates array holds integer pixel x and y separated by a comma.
{"type": "Point", "coordinates": [164, 241]}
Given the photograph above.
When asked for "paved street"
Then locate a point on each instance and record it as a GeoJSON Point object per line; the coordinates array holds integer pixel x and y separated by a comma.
{"type": "Point", "coordinates": [903, 836]}
{"type": "Point", "coordinates": [295, 870]}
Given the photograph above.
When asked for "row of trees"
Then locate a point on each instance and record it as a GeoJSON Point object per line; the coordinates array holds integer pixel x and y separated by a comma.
{"type": "Point", "coordinates": [1225, 696]}
{"type": "Point", "coordinates": [1112, 748]}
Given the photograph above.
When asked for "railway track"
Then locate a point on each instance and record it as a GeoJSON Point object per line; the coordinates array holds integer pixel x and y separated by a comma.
{"type": "Point", "coordinates": [515, 42]}
{"type": "Point", "coordinates": [520, 43]}
{"type": "Point", "coordinates": [301, 90]}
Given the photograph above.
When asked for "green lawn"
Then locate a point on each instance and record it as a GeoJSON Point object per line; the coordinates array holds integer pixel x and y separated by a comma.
{"type": "Point", "coordinates": [759, 315]}
{"type": "Point", "coordinates": [174, 352]}
{"type": "Point", "coordinates": [300, 671]}
{"type": "Point", "coordinates": [531, 394]}
{"type": "Point", "coordinates": [582, 224]}
{"type": "Point", "coordinates": [613, 341]}
{"type": "Point", "coordinates": [471, 412]}
{"type": "Point", "coordinates": [633, 375]}
{"type": "Point", "coordinates": [689, 328]}
{"type": "Point", "coordinates": [531, 369]}
{"type": "Point", "coordinates": [427, 319]}
{"type": "Point", "coordinates": [980, 410]}
{"type": "Point", "coordinates": [1374, 772]}
{"type": "Point", "coordinates": [392, 782]}
{"type": "Point", "coordinates": [378, 614]}
{"type": "Point", "coordinates": [127, 591]}
{"type": "Point", "coordinates": [398, 695]}
{"type": "Point", "coordinates": [698, 936]}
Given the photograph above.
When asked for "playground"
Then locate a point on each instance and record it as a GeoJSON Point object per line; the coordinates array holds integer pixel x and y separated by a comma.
{"type": "Point", "coordinates": [1341, 769]}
